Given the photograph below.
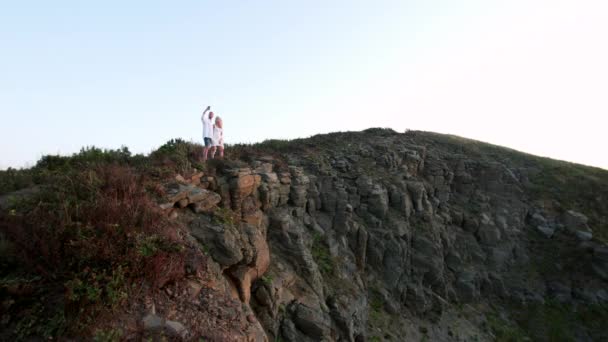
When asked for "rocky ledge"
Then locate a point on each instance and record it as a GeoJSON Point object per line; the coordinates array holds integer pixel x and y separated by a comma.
{"type": "Point", "coordinates": [382, 236]}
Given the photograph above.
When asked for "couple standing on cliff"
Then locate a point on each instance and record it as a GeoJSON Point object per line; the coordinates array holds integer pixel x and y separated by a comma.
{"type": "Point", "coordinates": [213, 135]}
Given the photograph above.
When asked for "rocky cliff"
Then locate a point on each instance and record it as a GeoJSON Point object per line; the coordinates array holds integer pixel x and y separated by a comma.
{"type": "Point", "coordinates": [382, 236]}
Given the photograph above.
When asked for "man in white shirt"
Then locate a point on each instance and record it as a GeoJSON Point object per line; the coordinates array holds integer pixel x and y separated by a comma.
{"type": "Point", "coordinates": [207, 131]}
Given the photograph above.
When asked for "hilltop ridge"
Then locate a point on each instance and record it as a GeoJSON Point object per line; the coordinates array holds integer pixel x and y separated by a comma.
{"type": "Point", "coordinates": [350, 236]}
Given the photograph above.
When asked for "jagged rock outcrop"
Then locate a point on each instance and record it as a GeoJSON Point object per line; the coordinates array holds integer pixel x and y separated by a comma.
{"type": "Point", "coordinates": [368, 236]}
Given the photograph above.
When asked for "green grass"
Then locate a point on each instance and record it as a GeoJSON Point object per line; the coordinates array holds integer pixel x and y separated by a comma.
{"type": "Point", "coordinates": [112, 335]}
{"type": "Point", "coordinates": [321, 255]}
{"type": "Point", "coordinates": [551, 321]}
{"type": "Point", "coordinates": [150, 245]}
{"type": "Point", "coordinates": [267, 279]}
{"type": "Point", "coordinates": [576, 187]}
{"type": "Point", "coordinates": [224, 216]}
{"type": "Point", "coordinates": [104, 289]}
{"type": "Point", "coordinates": [378, 318]}
{"type": "Point", "coordinates": [505, 331]}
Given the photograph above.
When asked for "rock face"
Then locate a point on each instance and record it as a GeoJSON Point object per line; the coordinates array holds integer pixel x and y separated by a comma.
{"type": "Point", "coordinates": [372, 235]}
{"type": "Point", "coordinates": [180, 195]}
{"type": "Point", "coordinates": [576, 223]}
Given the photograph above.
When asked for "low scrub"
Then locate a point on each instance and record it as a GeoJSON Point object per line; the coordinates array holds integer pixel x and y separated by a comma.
{"type": "Point", "coordinates": [175, 156]}
{"type": "Point", "coordinates": [91, 239]}
{"type": "Point", "coordinates": [178, 156]}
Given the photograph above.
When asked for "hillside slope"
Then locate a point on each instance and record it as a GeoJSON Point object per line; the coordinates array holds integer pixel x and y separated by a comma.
{"type": "Point", "coordinates": [356, 236]}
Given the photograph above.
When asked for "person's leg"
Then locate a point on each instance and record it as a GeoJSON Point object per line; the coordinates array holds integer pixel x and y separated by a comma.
{"type": "Point", "coordinates": [213, 152]}
{"type": "Point", "coordinates": [206, 149]}
{"type": "Point", "coordinates": [221, 152]}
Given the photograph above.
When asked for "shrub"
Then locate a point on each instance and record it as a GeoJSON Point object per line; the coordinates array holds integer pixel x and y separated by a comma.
{"type": "Point", "coordinates": [163, 268]}
{"type": "Point", "coordinates": [267, 279]}
{"type": "Point", "coordinates": [321, 255]}
{"type": "Point", "coordinates": [94, 233]}
{"type": "Point", "coordinates": [50, 165]}
{"type": "Point", "coordinates": [13, 180]}
{"type": "Point", "coordinates": [88, 156]}
{"type": "Point", "coordinates": [224, 216]}
{"type": "Point", "coordinates": [178, 155]}
{"type": "Point", "coordinates": [41, 323]}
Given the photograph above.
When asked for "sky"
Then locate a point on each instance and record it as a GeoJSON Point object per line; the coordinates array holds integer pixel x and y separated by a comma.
{"type": "Point", "coordinates": [528, 74]}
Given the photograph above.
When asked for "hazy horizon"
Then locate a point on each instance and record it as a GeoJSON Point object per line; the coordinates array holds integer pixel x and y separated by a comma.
{"type": "Point", "coordinates": [528, 75]}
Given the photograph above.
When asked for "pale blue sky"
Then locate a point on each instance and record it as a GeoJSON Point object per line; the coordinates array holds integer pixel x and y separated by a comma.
{"type": "Point", "coordinates": [529, 74]}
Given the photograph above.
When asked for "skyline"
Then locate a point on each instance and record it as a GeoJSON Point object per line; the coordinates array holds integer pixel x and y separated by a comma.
{"type": "Point", "coordinates": [528, 75]}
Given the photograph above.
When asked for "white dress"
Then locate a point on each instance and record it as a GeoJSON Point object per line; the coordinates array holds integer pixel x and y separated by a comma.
{"type": "Point", "coordinates": [218, 136]}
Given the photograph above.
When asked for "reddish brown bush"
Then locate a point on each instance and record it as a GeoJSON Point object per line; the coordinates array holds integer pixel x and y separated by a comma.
{"type": "Point", "coordinates": [96, 232]}
{"type": "Point", "coordinates": [164, 268]}
{"type": "Point", "coordinates": [196, 152]}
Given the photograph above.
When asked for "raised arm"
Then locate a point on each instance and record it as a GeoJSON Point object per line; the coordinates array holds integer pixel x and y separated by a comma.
{"type": "Point", "coordinates": [205, 112]}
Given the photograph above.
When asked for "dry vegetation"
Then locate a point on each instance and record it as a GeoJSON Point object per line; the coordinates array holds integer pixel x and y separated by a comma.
{"type": "Point", "coordinates": [89, 241]}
